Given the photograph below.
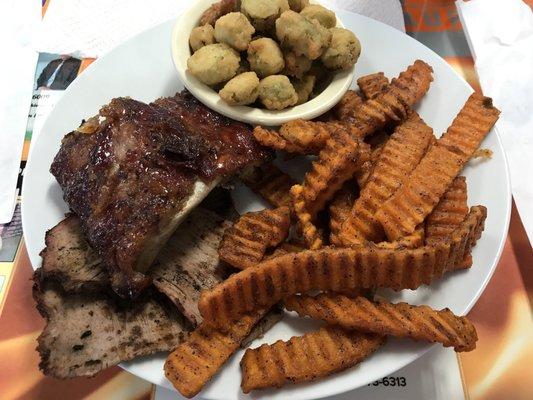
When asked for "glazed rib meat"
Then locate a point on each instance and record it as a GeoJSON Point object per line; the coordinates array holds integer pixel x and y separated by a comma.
{"type": "Point", "coordinates": [186, 265]}
{"type": "Point", "coordinates": [133, 172]}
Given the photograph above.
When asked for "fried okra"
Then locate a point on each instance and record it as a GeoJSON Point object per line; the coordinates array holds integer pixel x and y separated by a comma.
{"type": "Point", "coordinates": [201, 36]}
{"type": "Point", "coordinates": [214, 63]}
{"type": "Point", "coordinates": [276, 92]}
{"type": "Point", "coordinates": [234, 29]}
{"type": "Point", "coordinates": [265, 57]}
{"type": "Point", "coordinates": [295, 65]}
{"type": "Point", "coordinates": [304, 87]}
{"type": "Point", "coordinates": [302, 35]}
{"type": "Point", "coordinates": [325, 17]}
{"type": "Point", "coordinates": [298, 5]}
{"type": "Point", "coordinates": [263, 13]}
{"type": "Point", "coordinates": [241, 90]}
{"type": "Point", "coordinates": [343, 51]}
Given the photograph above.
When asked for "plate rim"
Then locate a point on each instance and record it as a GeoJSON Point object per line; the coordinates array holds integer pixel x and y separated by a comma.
{"type": "Point", "coordinates": [416, 354]}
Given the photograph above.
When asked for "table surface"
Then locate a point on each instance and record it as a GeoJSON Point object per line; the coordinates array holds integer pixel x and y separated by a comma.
{"type": "Point", "coordinates": [498, 368]}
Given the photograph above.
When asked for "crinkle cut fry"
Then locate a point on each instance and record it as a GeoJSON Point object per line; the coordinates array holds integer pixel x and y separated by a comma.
{"type": "Point", "coordinates": [246, 242]}
{"type": "Point", "coordinates": [310, 233]}
{"type": "Point", "coordinates": [388, 319]}
{"type": "Point", "coordinates": [400, 155]}
{"type": "Point", "coordinates": [368, 167]}
{"type": "Point", "coordinates": [196, 360]}
{"type": "Point", "coordinates": [394, 104]}
{"type": "Point", "coordinates": [305, 358]}
{"type": "Point", "coordinates": [284, 248]}
{"type": "Point", "coordinates": [373, 84]}
{"type": "Point", "coordinates": [449, 212]}
{"type": "Point", "coordinates": [338, 269]}
{"type": "Point", "coordinates": [342, 157]}
{"type": "Point", "coordinates": [414, 240]}
{"type": "Point", "coordinates": [300, 136]}
{"type": "Point", "coordinates": [413, 202]}
{"type": "Point", "coordinates": [271, 138]}
{"type": "Point", "coordinates": [339, 209]}
{"type": "Point", "coordinates": [272, 184]}
{"type": "Point", "coordinates": [309, 135]}
{"type": "Point", "coordinates": [347, 106]}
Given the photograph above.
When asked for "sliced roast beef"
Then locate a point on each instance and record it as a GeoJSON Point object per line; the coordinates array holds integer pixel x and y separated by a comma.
{"type": "Point", "coordinates": [87, 332]}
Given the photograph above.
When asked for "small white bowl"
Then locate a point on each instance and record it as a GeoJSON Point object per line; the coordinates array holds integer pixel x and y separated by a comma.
{"type": "Point", "coordinates": [256, 116]}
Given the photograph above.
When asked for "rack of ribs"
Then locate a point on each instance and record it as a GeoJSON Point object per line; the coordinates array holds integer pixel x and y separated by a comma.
{"type": "Point", "coordinates": [133, 172]}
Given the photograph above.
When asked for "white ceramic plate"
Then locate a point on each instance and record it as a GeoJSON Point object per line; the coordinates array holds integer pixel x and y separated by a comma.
{"type": "Point", "coordinates": [142, 68]}
{"type": "Point", "coordinates": [257, 116]}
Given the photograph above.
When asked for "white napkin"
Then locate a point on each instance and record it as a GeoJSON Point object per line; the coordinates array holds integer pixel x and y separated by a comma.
{"type": "Point", "coordinates": [387, 11]}
{"type": "Point", "coordinates": [91, 28]}
{"type": "Point", "coordinates": [500, 36]}
{"type": "Point", "coordinates": [17, 71]}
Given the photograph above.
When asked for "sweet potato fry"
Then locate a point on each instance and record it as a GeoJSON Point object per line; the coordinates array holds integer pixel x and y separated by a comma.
{"type": "Point", "coordinates": [305, 358]}
{"type": "Point", "coordinates": [400, 155]}
{"type": "Point", "coordinates": [384, 318]}
{"type": "Point", "coordinates": [273, 139]}
{"type": "Point", "coordinates": [339, 209]}
{"type": "Point", "coordinates": [394, 104]}
{"type": "Point", "coordinates": [272, 184]}
{"type": "Point", "coordinates": [347, 106]}
{"type": "Point", "coordinates": [246, 242]}
{"type": "Point", "coordinates": [283, 249]}
{"type": "Point", "coordinates": [309, 135]}
{"type": "Point", "coordinates": [413, 202]}
{"type": "Point", "coordinates": [343, 155]}
{"type": "Point", "coordinates": [196, 360]}
{"type": "Point", "coordinates": [449, 212]}
{"type": "Point", "coordinates": [367, 168]}
{"type": "Point", "coordinates": [374, 84]}
{"type": "Point", "coordinates": [311, 235]}
{"type": "Point", "coordinates": [414, 240]}
{"type": "Point", "coordinates": [338, 269]}
{"type": "Point", "coordinates": [300, 136]}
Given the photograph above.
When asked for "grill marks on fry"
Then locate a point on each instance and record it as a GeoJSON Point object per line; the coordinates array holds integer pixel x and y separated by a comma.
{"type": "Point", "coordinates": [384, 318]}
{"type": "Point", "coordinates": [196, 360]}
{"type": "Point", "coordinates": [410, 205]}
{"type": "Point", "coordinates": [400, 155]}
{"type": "Point", "coordinates": [272, 184]}
{"type": "Point", "coordinates": [373, 84]}
{"type": "Point", "coordinates": [336, 269]}
{"type": "Point", "coordinates": [245, 243]}
{"type": "Point", "coordinates": [305, 358]}
{"type": "Point", "coordinates": [449, 212]}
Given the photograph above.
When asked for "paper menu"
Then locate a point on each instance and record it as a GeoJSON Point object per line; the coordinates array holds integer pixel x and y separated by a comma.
{"type": "Point", "coordinates": [91, 28]}
{"type": "Point", "coordinates": [16, 80]}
